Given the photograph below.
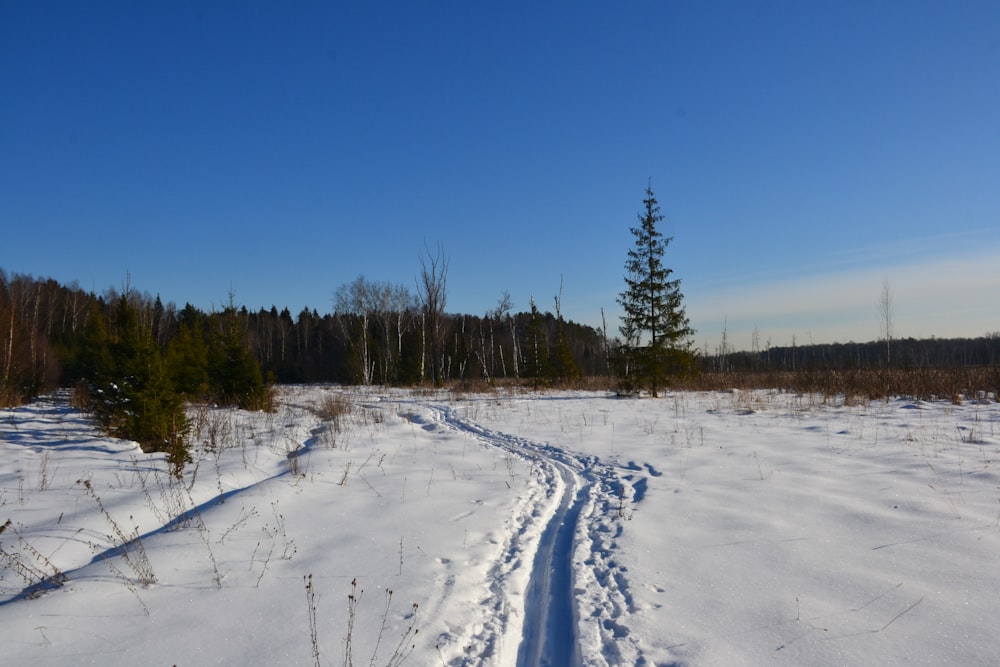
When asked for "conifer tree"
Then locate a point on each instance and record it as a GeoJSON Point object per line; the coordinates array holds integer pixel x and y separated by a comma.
{"type": "Point", "coordinates": [132, 394]}
{"type": "Point", "coordinates": [234, 375]}
{"type": "Point", "coordinates": [654, 326]}
{"type": "Point", "coordinates": [187, 361]}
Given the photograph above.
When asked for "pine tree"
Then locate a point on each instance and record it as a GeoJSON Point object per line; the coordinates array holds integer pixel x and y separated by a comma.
{"type": "Point", "coordinates": [654, 326]}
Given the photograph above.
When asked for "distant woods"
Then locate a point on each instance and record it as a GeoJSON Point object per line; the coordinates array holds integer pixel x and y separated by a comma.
{"type": "Point", "coordinates": [55, 335]}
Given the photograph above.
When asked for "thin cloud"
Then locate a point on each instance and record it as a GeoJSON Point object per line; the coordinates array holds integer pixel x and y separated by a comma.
{"type": "Point", "coordinates": [951, 296]}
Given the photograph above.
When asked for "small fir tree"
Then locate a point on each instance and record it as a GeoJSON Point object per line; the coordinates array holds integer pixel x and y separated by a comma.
{"type": "Point", "coordinates": [234, 375]}
{"type": "Point", "coordinates": [655, 329]}
{"type": "Point", "coordinates": [132, 394]}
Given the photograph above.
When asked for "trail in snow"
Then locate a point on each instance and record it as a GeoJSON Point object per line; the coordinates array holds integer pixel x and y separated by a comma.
{"type": "Point", "coordinates": [549, 635]}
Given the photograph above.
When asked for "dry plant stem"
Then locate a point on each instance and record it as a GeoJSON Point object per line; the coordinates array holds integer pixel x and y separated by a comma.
{"type": "Point", "coordinates": [129, 546]}
{"type": "Point", "coordinates": [289, 549]}
{"type": "Point", "coordinates": [311, 608]}
{"type": "Point", "coordinates": [245, 515]}
{"type": "Point", "coordinates": [352, 609]}
{"type": "Point", "coordinates": [44, 476]}
{"type": "Point", "coordinates": [406, 645]}
{"type": "Point", "coordinates": [267, 561]}
{"type": "Point", "coordinates": [36, 570]}
{"type": "Point", "coordinates": [206, 539]}
{"type": "Point", "coordinates": [381, 629]}
{"type": "Point", "coordinates": [128, 583]}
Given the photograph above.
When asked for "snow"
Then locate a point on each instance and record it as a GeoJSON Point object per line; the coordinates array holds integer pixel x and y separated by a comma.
{"type": "Point", "coordinates": [512, 528]}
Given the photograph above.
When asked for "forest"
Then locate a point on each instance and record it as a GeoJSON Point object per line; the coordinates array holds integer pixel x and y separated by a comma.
{"type": "Point", "coordinates": [58, 335]}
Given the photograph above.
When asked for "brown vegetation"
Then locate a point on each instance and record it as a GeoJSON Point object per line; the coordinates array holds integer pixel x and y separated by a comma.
{"type": "Point", "coordinates": [958, 383]}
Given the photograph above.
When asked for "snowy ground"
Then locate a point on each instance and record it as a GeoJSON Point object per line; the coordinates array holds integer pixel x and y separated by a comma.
{"type": "Point", "coordinates": [508, 529]}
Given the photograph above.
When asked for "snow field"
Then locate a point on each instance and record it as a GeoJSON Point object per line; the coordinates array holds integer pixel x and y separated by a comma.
{"type": "Point", "coordinates": [776, 528]}
{"type": "Point", "coordinates": [565, 528]}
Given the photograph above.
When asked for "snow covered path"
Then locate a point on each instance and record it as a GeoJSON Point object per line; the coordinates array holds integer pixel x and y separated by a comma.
{"type": "Point", "coordinates": [548, 634]}
{"type": "Point", "coordinates": [571, 554]}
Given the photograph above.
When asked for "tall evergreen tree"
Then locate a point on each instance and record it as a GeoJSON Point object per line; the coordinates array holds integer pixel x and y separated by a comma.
{"type": "Point", "coordinates": [656, 332]}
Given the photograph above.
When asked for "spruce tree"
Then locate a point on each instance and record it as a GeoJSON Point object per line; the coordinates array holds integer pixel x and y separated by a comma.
{"type": "Point", "coordinates": [234, 375]}
{"type": "Point", "coordinates": [187, 362]}
{"type": "Point", "coordinates": [132, 395]}
{"type": "Point", "coordinates": [654, 326]}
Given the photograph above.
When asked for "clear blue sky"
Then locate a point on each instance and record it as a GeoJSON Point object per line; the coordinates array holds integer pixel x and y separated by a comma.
{"type": "Point", "coordinates": [802, 152]}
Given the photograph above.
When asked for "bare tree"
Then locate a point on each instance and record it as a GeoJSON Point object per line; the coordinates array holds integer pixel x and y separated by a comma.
{"type": "Point", "coordinates": [8, 357]}
{"type": "Point", "coordinates": [496, 317]}
{"type": "Point", "coordinates": [390, 304]}
{"type": "Point", "coordinates": [607, 343]}
{"type": "Point", "coordinates": [722, 352]}
{"type": "Point", "coordinates": [432, 292]}
{"type": "Point", "coordinates": [885, 311]}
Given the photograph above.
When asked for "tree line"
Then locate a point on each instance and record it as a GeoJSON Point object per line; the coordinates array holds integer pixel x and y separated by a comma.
{"type": "Point", "coordinates": [55, 335]}
{"type": "Point", "coordinates": [900, 354]}
{"type": "Point", "coordinates": [135, 361]}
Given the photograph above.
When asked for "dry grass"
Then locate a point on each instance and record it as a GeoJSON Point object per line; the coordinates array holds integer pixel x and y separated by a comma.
{"type": "Point", "coordinates": [956, 384]}
{"type": "Point", "coordinates": [333, 406]}
{"type": "Point", "coordinates": [482, 386]}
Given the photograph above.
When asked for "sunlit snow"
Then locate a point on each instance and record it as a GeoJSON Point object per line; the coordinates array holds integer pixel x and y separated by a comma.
{"type": "Point", "coordinates": [508, 529]}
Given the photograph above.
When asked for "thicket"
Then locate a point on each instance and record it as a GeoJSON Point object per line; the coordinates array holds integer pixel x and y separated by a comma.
{"type": "Point", "coordinates": [133, 361]}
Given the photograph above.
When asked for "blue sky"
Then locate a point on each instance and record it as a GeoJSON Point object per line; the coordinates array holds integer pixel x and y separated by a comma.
{"type": "Point", "coordinates": [803, 154]}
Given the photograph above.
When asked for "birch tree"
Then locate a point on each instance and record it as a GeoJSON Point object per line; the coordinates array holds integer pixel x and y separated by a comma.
{"type": "Point", "coordinates": [432, 290]}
